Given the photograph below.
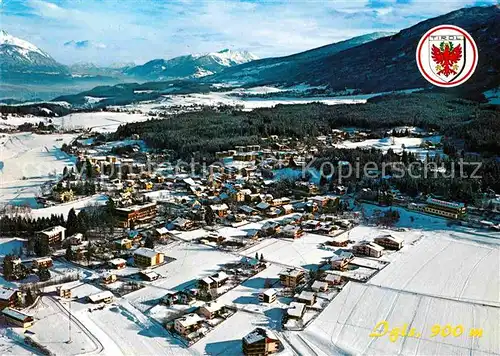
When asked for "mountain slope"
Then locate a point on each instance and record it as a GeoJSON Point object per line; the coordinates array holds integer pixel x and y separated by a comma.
{"type": "Point", "coordinates": [275, 70]}
{"type": "Point", "coordinates": [389, 63]}
{"type": "Point", "coordinates": [20, 59]}
{"type": "Point", "coordinates": [189, 66]}
{"type": "Point", "coordinates": [384, 64]}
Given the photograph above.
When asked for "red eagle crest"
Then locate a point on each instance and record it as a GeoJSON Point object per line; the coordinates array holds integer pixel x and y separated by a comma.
{"type": "Point", "coordinates": [446, 57]}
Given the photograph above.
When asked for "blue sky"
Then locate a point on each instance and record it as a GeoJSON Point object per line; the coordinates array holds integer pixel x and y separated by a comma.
{"type": "Point", "coordinates": [117, 31]}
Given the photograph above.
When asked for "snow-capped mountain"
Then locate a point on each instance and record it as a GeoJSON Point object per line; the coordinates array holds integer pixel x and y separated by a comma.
{"type": "Point", "coordinates": [190, 66]}
{"type": "Point", "coordinates": [19, 58]}
{"type": "Point", "coordinates": [277, 69]}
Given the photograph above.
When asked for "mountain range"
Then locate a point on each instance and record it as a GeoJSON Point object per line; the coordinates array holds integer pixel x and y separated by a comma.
{"type": "Point", "coordinates": [383, 64]}
{"type": "Point", "coordinates": [189, 66]}
{"type": "Point", "coordinates": [377, 62]}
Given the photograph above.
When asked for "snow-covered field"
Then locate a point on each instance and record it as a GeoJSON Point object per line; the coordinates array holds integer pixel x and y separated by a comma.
{"type": "Point", "coordinates": [192, 262]}
{"type": "Point", "coordinates": [27, 161]}
{"type": "Point", "coordinates": [397, 144]}
{"type": "Point", "coordinates": [442, 278]}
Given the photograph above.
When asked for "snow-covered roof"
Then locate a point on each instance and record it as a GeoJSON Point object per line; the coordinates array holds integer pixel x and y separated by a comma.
{"type": "Point", "coordinates": [16, 314]}
{"type": "Point", "coordinates": [291, 272]}
{"type": "Point", "coordinates": [390, 238]}
{"type": "Point", "coordinates": [445, 204]}
{"type": "Point", "coordinates": [117, 261]}
{"type": "Point", "coordinates": [188, 320]}
{"type": "Point", "coordinates": [6, 294]}
{"type": "Point", "coordinates": [162, 230]}
{"type": "Point", "coordinates": [53, 230]}
{"type": "Point", "coordinates": [306, 295]}
{"type": "Point", "coordinates": [269, 292]}
{"type": "Point", "coordinates": [146, 252]}
{"type": "Point", "coordinates": [213, 306]}
{"type": "Point", "coordinates": [296, 309]}
{"type": "Point", "coordinates": [100, 296]}
{"type": "Point", "coordinates": [259, 334]}
{"type": "Point", "coordinates": [319, 285]}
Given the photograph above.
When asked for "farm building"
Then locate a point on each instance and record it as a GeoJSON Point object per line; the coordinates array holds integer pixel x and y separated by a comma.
{"type": "Point", "coordinates": [146, 257]}
{"type": "Point", "coordinates": [17, 318]}
{"type": "Point", "coordinates": [340, 241]}
{"type": "Point", "coordinates": [370, 249]}
{"type": "Point", "coordinates": [260, 342]}
{"type": "Point", "coordinates": [106, 297]}
{"type": "Point", "coordinates": [389, 242]}
{"type": "Point", "coordinates": [117, 263]}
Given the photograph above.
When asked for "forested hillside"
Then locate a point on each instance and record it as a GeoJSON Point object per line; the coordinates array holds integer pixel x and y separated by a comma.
{"type": "Point", "coordinates": [212, 130]}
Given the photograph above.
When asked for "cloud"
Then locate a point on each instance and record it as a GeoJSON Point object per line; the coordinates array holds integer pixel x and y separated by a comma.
{"type": "Point", "coordinates": [139, 30]}
{"type": "Point", "coordinates": [84, 44]}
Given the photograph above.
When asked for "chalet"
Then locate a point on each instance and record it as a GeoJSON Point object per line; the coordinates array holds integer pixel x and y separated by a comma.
{"type": "Point", "coordinates": [341, 260]}
{"type": "Point", "coordinates": [109, 278]}
{"type": "Point", "coordinates": [340, 241]}
{"type": "Point", "coordinates": [310, 225]}
{"type": "Point", "coordinates": [260, 342]}
{"type": "Point", "coordinates": [220, 210]}
{"type": "Point", "coordinates": [182, 224]}
{"type": "Point", "coordinates": [17, 318]}
{"type": "Point", "coordinates": [8, 297]}
{"type": "Point", "coordinates": [270, 228]}
{"type": "Point", "coordinates": [214, 281]}
{"type": "Point", "coordinates": [187, 324]}
{"type": "Point", "coordinates": [319, 286]}
{"type": "Point", "coordinates": [149, 275]}
{"type": "Point", "coordinates": [291, 277]}
{"type": "Point", "coordinates": [389, 242]}
{"type": "Point", "coordinates": [267, 296]}
{"type": "Point", "coordinates": [450, 210]}
{"type": "Point", "coordinates": [248, 210]}
{"type": "Point", "coordinates": [117, 263]}
{"type": "Point", "coordinates": [263, 206]}
{"type": "Point", "coordinates": [101, 297]}
{"type": "Point", "coordinates": [52, 236]}
{"type": "Point", "coordinates": [273, 212]}
{"type": "Point", "coordinates": [76, 239]}
{"type": "Point", "coordinates": [136, 214]}
{"type": "Point", "coordinates": [368, 249]}
{"type": "Point", "coordinates": [291, 231]}
{"type": "Point", "coordinates": [321, 201]}
{"type": "Point", "coordinates": [43, 262]}
{"type": "Point", "coordinates": [161, 233]}
{"type": "Point", "coordinates": [211, 309]}
{"type": "Point", "coordinates": [146, 257]}
{"type": "Point", "coordinates": [306, 297]}
{"type": "Point", "coordinates": [287, 208]}
{"type": "Point", "coordinates": [296, 310]}
{"type": "Point", "coordinates": [332, 279]}
{"type": "Point", "coordinates": [123, 244]}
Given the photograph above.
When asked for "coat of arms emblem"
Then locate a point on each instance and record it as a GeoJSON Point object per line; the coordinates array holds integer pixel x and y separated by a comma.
{"type": "Point", "coordinates": [447, 56]}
